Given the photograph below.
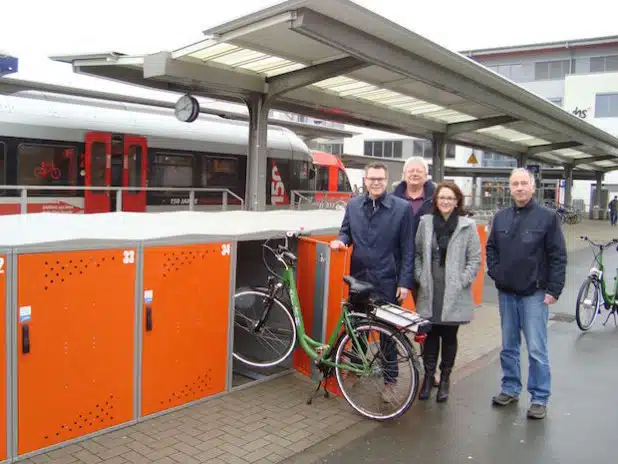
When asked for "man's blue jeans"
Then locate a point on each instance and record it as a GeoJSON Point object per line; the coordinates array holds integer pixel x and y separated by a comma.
{"type": "Point", "coordinates": [528, 314]}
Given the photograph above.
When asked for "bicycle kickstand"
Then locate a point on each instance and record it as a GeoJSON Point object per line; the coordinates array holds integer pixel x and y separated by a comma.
{"type": "Point", "coordinates": [317, 390]}
{"type": "Point", "coordinates": [612, 312]}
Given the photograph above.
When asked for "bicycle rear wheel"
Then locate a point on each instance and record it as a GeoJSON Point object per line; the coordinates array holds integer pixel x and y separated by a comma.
{"type": "Point", "coordinates": [274, 341]}
{"type": "Point", "coordinates": [588, 302]}
{"type": "Point", "coordinates": [377, 339]}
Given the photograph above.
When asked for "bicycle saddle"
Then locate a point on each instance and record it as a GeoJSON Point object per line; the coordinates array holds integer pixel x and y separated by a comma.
{"type": "Point", "coordinates": [358, 287]}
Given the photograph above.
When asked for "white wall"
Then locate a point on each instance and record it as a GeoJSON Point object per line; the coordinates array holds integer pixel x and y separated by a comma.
{"type": "Point", "coordinates": [580, 92]}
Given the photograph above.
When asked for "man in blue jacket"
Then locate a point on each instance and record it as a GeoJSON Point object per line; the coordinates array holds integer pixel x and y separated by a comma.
{"type": "Point", "coordinates": [526, 258]}
{"type": "Point", "coordinates": [379, 227]}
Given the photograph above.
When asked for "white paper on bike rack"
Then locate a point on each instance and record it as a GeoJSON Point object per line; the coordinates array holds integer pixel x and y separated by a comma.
{"type": "Point", "coordinates": [398, 316]}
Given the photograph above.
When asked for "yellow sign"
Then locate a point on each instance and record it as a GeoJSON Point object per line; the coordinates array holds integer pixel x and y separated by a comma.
{"type": "Point", "coordinates": [472, 159]}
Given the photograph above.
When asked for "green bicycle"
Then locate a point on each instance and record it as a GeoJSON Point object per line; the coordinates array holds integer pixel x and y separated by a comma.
{"type": "Point", "coordinates": [593, 291]}
{"type": "Point", "coordinates": [368, 343]}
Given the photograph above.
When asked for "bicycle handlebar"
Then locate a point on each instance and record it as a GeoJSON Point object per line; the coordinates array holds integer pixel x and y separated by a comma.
{"type": "Point", "coordinates": [283, 252]}
{"type": "Point", "coordinates": [602, 245]}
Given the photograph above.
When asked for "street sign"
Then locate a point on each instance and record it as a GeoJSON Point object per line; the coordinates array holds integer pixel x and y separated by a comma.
{"type": "Point", "coordinates": [8, 65]}
{"type": "Point", "coordinates": [472, 159]}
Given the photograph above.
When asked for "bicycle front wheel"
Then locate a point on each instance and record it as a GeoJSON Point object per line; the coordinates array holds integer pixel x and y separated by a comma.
{"type": "Point", "coordinates": [391, 380]}
{"type": "Point", "coordinates": [588, 301]}
{"type": "Point", "coordinates": [274, 341]}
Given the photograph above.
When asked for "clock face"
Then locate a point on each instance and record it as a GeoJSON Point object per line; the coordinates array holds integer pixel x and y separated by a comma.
{"type": "Point", "coordinates": [187, 109]}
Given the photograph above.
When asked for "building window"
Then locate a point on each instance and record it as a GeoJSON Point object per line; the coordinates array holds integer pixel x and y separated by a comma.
{"type": "Point", "coordinates": [553, 70]}
{"type": "Point", "coordinates": [606, 105]}
{"type": "Point", "coordinates": [496, 160]}
{"type": "Point", "coordinates": [599, 64]}
{"type": "Point", "coordinates": [335, 148]}
{"type": "Point", "coordinates": [514, 72]}
{"type": "Point", "coordinates": [424, 148]}
{"type": "Point", "coordinates": [384, 148]}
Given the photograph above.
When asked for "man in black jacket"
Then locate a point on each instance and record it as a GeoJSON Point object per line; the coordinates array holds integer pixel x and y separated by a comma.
{"type": "Point", "coordinates": [526, 258]}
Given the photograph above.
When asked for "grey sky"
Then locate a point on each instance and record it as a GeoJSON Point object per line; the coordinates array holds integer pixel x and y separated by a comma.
{"type": "Point", "coordinates": [35, 29]}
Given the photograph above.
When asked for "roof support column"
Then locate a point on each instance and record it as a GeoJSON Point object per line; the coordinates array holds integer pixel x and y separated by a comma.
{"type": "Point", "coordinates": [437, 158]}
{"type": "Point", "coordinates": [597, 192]}
{"type": "Point", "coordinates": [257, 169]}
{"type": "Point", "coordinates": [522, 160]}
{"type": "Point", "coordinates": [568, 185]}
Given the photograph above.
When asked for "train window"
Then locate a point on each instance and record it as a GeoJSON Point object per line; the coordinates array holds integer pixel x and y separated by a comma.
{"type": "Point", "coordinates": [98, 164]}
{"type": "Point", "coordinates": [321, 184]}
{"type": "Point", "coordinates": [171, 170]}
{"type": "Point", "coordinates": [47, 165]}
{"type": "Point", "coordinates": [2, 164]}
{"type": "Point", "coordinates": [300, 175]}
{"type": "Point", "coordinates": [135, 167]}
{"type": "Point", "coordinates": [220, 172]}
{"type": "Point", "coordinates": [343, 184]}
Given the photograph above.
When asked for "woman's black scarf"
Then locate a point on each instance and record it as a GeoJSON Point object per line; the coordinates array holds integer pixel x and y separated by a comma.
{"type": "Point", "coordinates": [443, 231]}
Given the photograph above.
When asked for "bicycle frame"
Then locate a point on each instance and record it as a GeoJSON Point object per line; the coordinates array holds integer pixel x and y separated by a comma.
{"type": "Point", "coordinates": [598, 273]}
{"type": "Point", "coordinates": [314, 349]}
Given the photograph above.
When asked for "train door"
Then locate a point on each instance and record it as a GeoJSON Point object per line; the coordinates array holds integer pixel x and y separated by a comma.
{"type": "Point", "coordinates": [135, 164]}
{"type": "Point", "coordinates": [97, 164]}
{"type": "Point", "coordinates": [115, 161]}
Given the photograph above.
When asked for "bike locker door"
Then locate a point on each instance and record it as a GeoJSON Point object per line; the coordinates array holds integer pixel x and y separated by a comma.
{"type": "Point", "coordinates": [97, 164]}
{"type": "Point", "coordinates": [135, 172]}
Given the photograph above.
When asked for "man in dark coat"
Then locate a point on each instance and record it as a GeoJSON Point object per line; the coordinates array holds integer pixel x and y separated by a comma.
{"type": "Point", "coordinates": [379, 227]}
{"type": "Point", "coordinates": [527, 259]}
{"type": "Point", "coordinates": [418, 192]}
{"type": "Point", "coordinates": [415, 188]}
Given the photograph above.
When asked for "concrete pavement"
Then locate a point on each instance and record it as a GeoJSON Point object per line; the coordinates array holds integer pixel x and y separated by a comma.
{"type": "Point", "coordinates": [580, 427]}
{"type": "Point", "coordinates": [270, 422]}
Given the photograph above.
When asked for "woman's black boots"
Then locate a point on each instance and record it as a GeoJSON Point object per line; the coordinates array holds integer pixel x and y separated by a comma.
{"type": "Point", "coordinates": [446, 366]}
{"type": "Point", "coordinates": [430, 361]}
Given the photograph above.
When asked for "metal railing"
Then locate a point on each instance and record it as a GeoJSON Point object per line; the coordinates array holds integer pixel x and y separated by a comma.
{"type": "Point", "coordinates": [300, 198]}
{"type": "Point", "coordinates": [23, 189]}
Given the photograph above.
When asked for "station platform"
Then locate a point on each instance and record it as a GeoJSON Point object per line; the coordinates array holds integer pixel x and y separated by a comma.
{"type": "Point", "coordinates": [268, 421]}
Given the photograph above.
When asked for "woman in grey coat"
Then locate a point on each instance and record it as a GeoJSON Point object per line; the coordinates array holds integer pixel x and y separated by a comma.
{"type": "Point", "coordinates": [448, 257]}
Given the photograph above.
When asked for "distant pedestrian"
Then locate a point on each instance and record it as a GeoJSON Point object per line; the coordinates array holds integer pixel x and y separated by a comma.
{"type": "Point", "coordinates": [526, 258]}
{"type": "Point", "coordinates": [448, 258]}
{"type": "Point", "coordinates": [613, 211]}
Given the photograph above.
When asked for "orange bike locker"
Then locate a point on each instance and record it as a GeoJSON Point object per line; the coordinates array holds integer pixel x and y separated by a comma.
{"type": "Point", "coordinates": [75, 344]}
{"type": "Point", "coordinates": [185, 322]}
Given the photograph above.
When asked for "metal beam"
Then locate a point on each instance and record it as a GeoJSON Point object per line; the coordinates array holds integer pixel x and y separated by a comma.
{"type": "Point", "coordinates": [303, 77]}
{"type": "Point", "coordinates": [593, 159]}
{"type": "Point", "coordinates": [471, 126]}
{"type": "Point", "coordinates": [551, 147]}
{"type": "Point", "coordinates": [395, 165]}
{"type": "Point", "coordinates": [369, 48]}
{"type": "Point", "coordinates": [161, 65]}
{"type": "Point", "coordinates": [330, 104]}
